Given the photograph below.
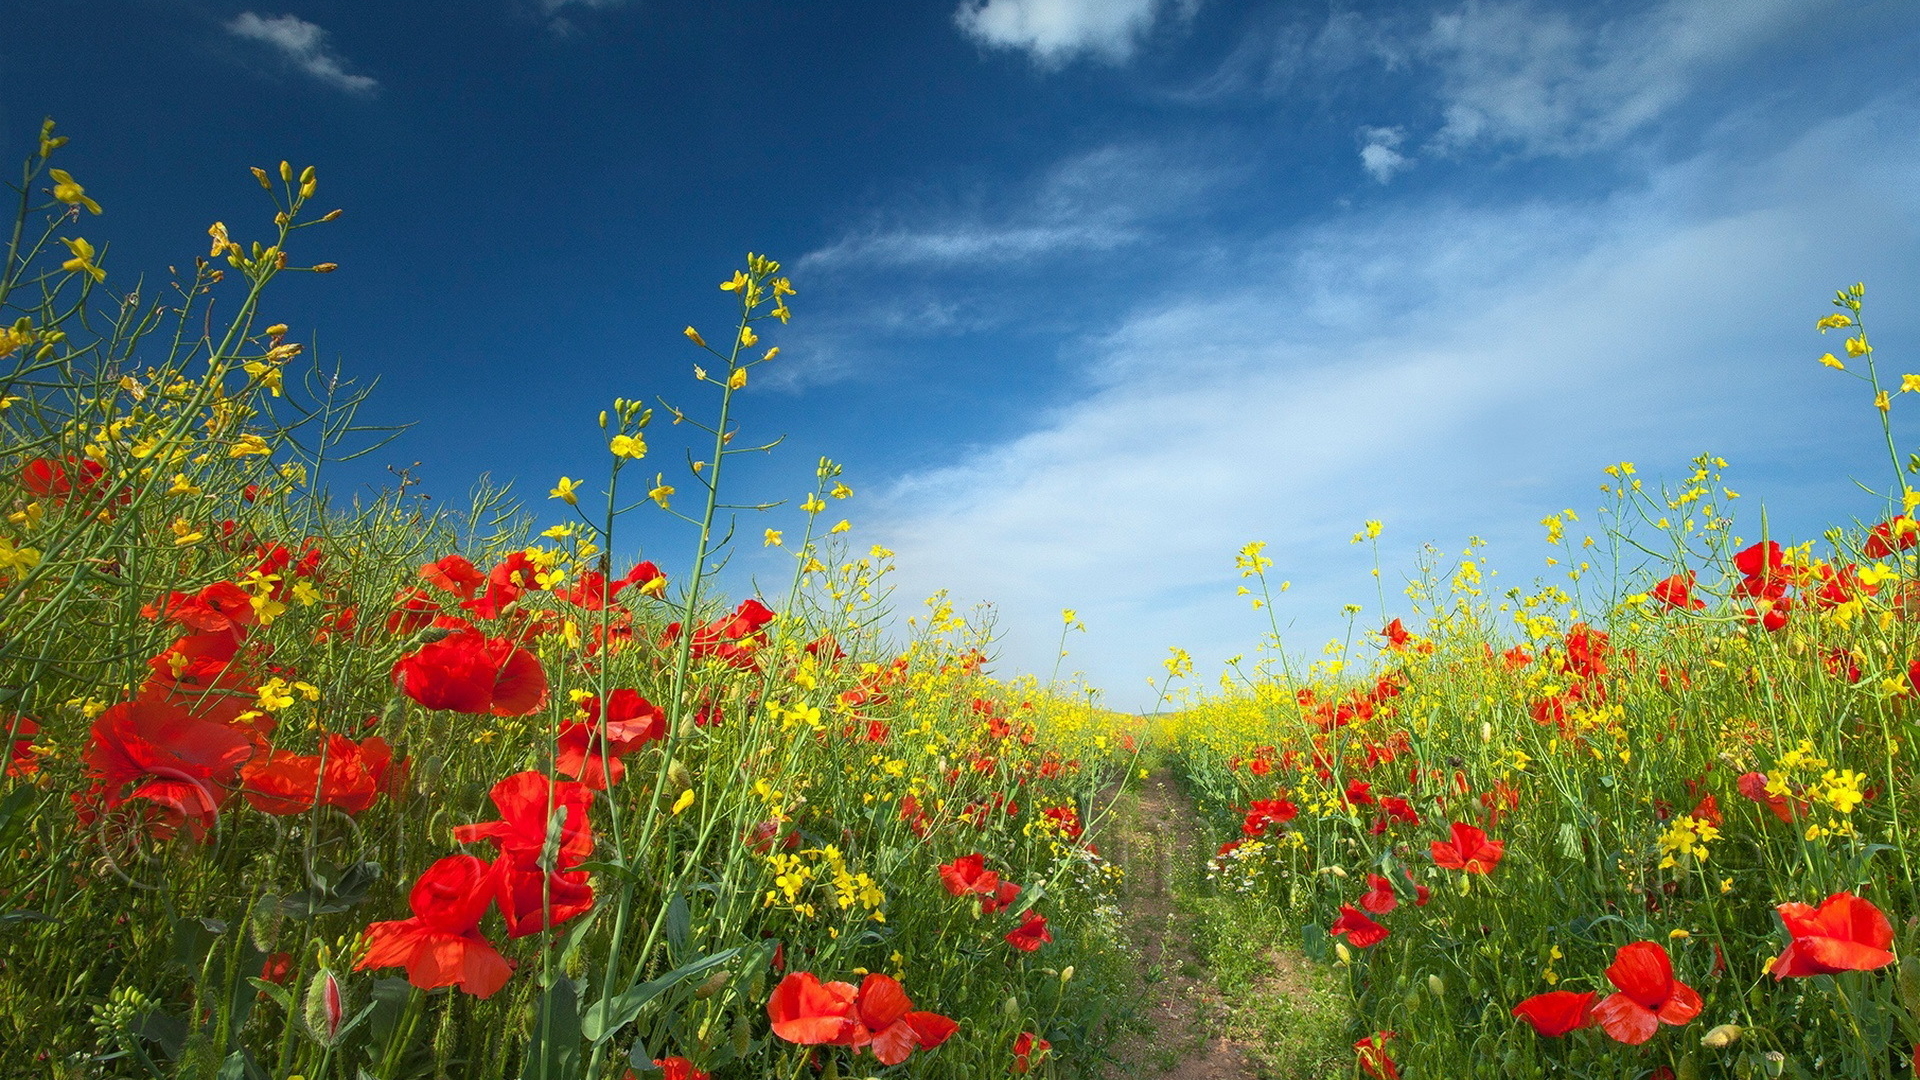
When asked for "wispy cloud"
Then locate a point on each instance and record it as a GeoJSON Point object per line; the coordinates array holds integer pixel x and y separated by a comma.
{"type": "Point", "coordinates": [1097, 201]}
{"type": "Point", "coordinates": [305, 46]}
{"type": "Point", "coordinates": [1380, 152]}
{"type": "Point", "coordinates": [1055, 31]}
{"type": "Point", "coordinates": [1453, 371]}
{"type": "Point", "coordinates": [1545, 81]}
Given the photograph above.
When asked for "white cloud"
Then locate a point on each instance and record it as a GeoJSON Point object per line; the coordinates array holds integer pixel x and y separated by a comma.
{"type": "Point", "coordinates": [1055, 31]}
{"type": "Point", "coordinates": [1380, 154]}
{"type": "Point", "coordinates": [1516, 73]}
{"type": "Point", "coordinates": [1097, 201]}
{"type": "Point", "coordinates": [305, 46]}
{"type": "Point", "coordinates": [1451, 371]}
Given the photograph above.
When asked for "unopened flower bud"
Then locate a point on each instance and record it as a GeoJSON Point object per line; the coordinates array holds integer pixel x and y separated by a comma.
{"type": "Point", "coordinates": [286, 172]}
{"type": "Point", "coordinates": [261, 175]}
{"type": "Point", "coordinates": [1437, 986]}
{"type": "Point", "coordinates": [326, 268]}
{"type": "Point", "coordinates": [1721, 1037]}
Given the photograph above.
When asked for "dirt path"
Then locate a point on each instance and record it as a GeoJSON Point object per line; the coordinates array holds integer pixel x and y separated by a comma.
{"type": "Point", "coordinates": [1157, 843]}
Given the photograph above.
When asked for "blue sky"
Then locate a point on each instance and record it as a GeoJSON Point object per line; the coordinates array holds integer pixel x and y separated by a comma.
{"type": "Point", "coordinates": [1092, 292]}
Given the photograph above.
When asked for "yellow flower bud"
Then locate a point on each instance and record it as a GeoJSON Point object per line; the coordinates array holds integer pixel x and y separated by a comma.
{"type": "Point", "coordinates": [694, 336]}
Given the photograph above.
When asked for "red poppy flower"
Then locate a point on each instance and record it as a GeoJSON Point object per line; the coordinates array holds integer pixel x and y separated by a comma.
{"type": "Point", "coordinates": [220, 608]}
{"type": "Point", "coordinates": [1677, 592]}
{"type": "Point", "coordinates": [1374, 1061]}
{"type": "Point", "coordinates": [1896, 534]}
{"type": "Point", "coordinates": [468, 672]}
{"type": "Point", "coordinates": [1030, 934]}
{"type": "Point", "coordinates": [1002, 899]}
{"type": "Point", "coordinates": [1379, 897]}
{"type": "Point", "coordinates": [1029, 1050]}
{"type": "Point", "coordinates": [532, 900]}
{"type": "Point", "coordinates": [1649, 994]}
{"type": "Point", "coordinates": [277, 968]}
{"type": "Point", "coordinates": [526, 806]}
{"type": "Point", "coordinates": [1469, 850]}
{"type": "Point", "coordinates": [1557, 1013]}
{"type": "Point", "coordinates": [453, 574]}
{"type": "Point", "coordinates": [281, 783]}
{"type": "Point", "coordinates": [808, 1012]}
{"type": "Point", "coordinates": [969, 874]}
{"type": "Point", "coordinates": [591, 751]}
{"type": "Point", "coordinates": [185, 764]}
{"type": "Point", "coordinates": [1845, 933]}
{"type": "Point", "coordinates": [442, 944]}
{"type": "Point", "coordinates": [1763, 571]}
{"type": "Point", "coordinates": [674, 1068]}
{"type": "Point", "coordinates": [1397, 635]}
{"type": "Point", "coordinates": [1399, 809]}
{"type": "Point", "coordinates": [60, 478]}
{"type": "Point", "coordinates": [1754, 786]}
{"type": "Point", "coordinates": [1066, 817]}
{"type": "Point", "coordinates": [884, 1022]}
{"type": "Point", "coordinates": [1264, 813]}
{"type": "Point", "coordinates": [21, 760]}
{"type": "Point", "coordinates": [1362, 931]}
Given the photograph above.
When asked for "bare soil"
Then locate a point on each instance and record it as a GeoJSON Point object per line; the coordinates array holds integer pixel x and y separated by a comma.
{"type": "Point", "coordinates": [1183, 1013]}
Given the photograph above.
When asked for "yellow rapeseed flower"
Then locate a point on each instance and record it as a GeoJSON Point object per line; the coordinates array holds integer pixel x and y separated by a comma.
{"type": "Point", "coordinates": [661, 491]}
{"type": "Point", "coordinates": [628, 446]}
{"type": "Point", "coordinates": [69, 192]}
{"type": "Point", "coordinates": [82, 261]}
{"type": "Point", "coordinates": [564, 490]}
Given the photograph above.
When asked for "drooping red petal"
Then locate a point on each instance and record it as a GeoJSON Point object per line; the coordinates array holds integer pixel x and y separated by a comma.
{"type": "Point", "coordinates": [1626, 1020]}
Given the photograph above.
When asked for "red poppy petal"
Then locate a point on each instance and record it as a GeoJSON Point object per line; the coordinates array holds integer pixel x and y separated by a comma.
{"type": "Point", "coordinates": [1626, 1020]}
{"type": "Point", "coordinates": [882, 1002]}
{"type": "Point", "coordinates": [932, 1028]}
{"type": "Point", "coordinates": [1644, 972]}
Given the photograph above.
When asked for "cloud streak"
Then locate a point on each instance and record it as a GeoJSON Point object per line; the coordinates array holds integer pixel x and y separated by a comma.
{"type": "Point", "coordinates": [305, 46]}
{"type": "Point", "coordinates": [1454, 371]}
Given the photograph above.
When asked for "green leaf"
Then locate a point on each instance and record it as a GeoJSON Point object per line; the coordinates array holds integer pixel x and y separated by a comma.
{"type": "Point", "coordinates": [610, 1014]}
{"type": "Point", "coordinates": [554, 1053]}
{"type": "Point", "coordinates": [679, 923]}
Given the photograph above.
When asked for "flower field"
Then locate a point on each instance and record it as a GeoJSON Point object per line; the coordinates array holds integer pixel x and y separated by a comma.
{"type": "Point", "coordinates": [297, 788]}
{"type": "Point", "coordinates": [1674, 847]}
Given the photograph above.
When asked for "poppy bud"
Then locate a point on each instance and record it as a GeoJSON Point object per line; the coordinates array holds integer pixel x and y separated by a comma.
{"type": "Point", "coordinates": [1011, 1007]}
{"type": "Point", "coordinates": [679, 777]}
{"type": "Point", "coordinates": [1721, 1037]}
{"type": "Point", "coordinates": [1486, 731]}
{"type": "Point", "coordinates": [712, 985]}
{"type": "Point", "coordinates": [1437, 986]}
{"type": "Point", "coordinates": [742, 1034]}
{"type": "Point", "coordinates": [1340, 949]}
{"type": "Point", "coordinates": [326, 1010]}
{"type": "Point", "coordinates": [1412, 1000]}
{"type": "Point", "coordinates": [1066, 974]}
{"type": "Point", "coordinates": [1689, 1069]}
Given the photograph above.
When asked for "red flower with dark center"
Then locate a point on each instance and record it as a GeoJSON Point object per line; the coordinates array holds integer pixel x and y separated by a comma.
{"type": "Point", "coordinates": [969, 874]}
{"type": "Point", "coordinates": [1030, 934]}
{"type": "Point", "coordinates": [1845, 933]}
{"type": "Point", "coordinates": [1469, 850]}
{"type": "Point", "coordinates": [442, 944]}
{"type": "Point", "coordinates": [1362, 931]}
{"type": "Point", "coordinates": [1648, 995]}
{"type": "Point", "coordinates": [1557, 1013]}
{"type": "Point", "coordinates": [468, 672]}
{"type": "Point", "coordinates": [526, 805]}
